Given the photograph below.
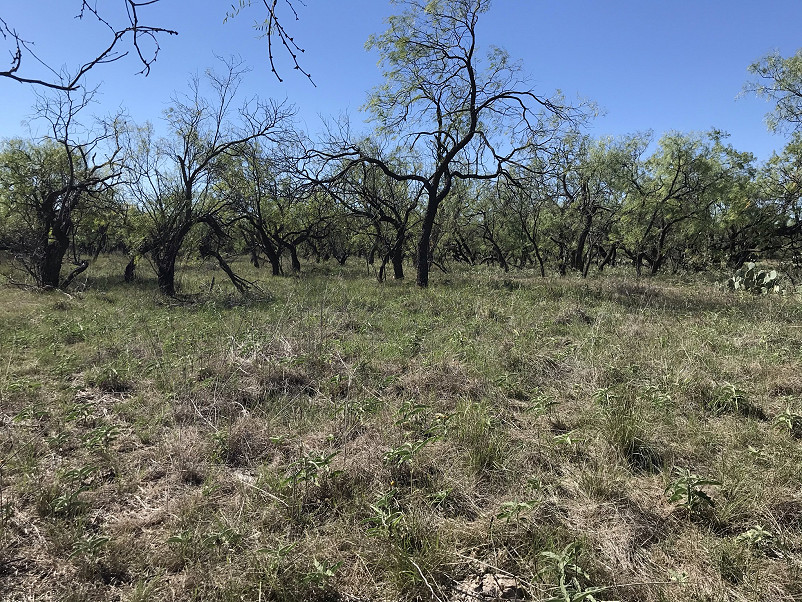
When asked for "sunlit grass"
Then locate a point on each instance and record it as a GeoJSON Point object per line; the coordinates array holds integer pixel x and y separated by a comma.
{"type": "Point", "coordinates": [333, 436]}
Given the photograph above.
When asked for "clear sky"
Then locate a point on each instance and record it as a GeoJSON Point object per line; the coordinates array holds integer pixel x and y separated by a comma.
{"type": "Point", "coordinates": [651, 65]}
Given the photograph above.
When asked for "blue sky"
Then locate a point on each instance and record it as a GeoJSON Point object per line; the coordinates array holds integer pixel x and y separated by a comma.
{"type": "Point", "coordinates": [651, 65]}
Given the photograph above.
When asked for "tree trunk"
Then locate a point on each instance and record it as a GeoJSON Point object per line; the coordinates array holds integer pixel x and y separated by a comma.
{"type": "Point", "coordinates": [540, 261]}
{"type": "Point", "coordinates": [578, 256]}
{"type": "Point", "coordinates": [609, 256]}
{"type": "Point", "coordinates": [424, 253]}
{"type": "Point", "coordinates": [275, 264]}
{"type": "Point", "coordinates": [165, 257]}
{"type": "Point", "coordinates": [397, 257]}
{"type": "Point", "coordinates": [49, 266]}
{"type": "Point", "coordinates": [371, 258]}
{"type": "Point", "coordinates": [296, 265]}
{"type": "Point", "coordinates": [165, 273]}
{"type": "Point", "coordinates": [273, 254]}
{"type": "Point", "coordinates": [380, 275]}
{"type": "Point", "coordinates": [102, 242]}
{"type": "Point", "coordinates": [128, 276]}
{"type": "Point", "coordinates": [254, 258]}
{"type": "Point", "coordinates": [81, 267]}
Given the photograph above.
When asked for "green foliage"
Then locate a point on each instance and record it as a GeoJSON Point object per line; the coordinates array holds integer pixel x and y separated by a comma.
{"type": "Point", "coordinates": [512, 511]}
{"type": "Point", "coordinates": [792, 421]}
{"type": "Point", "coordinates": [756, 281]}
{"type": "Point", "coordinates": [89, 547]}
{"type": "Point", "coordinates": [686, 490]}
{"type": "Point", "coordinates": [63, 497]}
{"type": "Point", "coordinates": [321, 573]}
{"type": "Point", "coordinates": [101, 437]}
{"type": "Point", "coordinates": [572, 578]}
{"type": "Point", "coordinates": [386, 514]}
{"type": "Point", "coordinates": [726, 398]}
{"type": "Point", "coordinates": [780, 80]}
{"type": "Point", "coordinates": [756, 537]}
{"type": "Point", "coordinates": [310, 469]}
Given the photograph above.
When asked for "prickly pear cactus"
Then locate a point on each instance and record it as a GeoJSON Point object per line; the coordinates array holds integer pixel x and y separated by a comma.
{"type": "Point", "coordinates": [753, 280]}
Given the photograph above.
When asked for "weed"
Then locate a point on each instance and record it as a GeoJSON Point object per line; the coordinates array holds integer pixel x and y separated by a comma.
{"type": "Point", "coordinates": [758, 539]}
{"type": "Point", "coordinates": [108, 380]}
{"type": "Point", "coordinates": [321, 573]}
{"type": "Point", "coordinates": [101, 437]}
{"type": "Point", "coordinates": [404, 454]}
{"type": "Point", "coordinates": [791, 421]}
{"type": "Point", "coordinates": [728, 399]}
{"type": "Point", "coordinates": [686, 490]}
{"type": "Point", "coordinates": [310, 469]}
{"type": "Point", "coordinates": [572, 579]}
{"type": "Point", "coordinates": [540, 405]}
{"type": "Point", "coordinates": [89, 547]}
{"type": "Point", "coordinates": [63, 497]}
{"type": "Point", "coordinates": [387, 514]}
{"type": "Point", "coordinates": [513, 511]}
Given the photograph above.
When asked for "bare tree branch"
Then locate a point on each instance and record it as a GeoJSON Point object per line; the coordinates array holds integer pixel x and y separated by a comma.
{"type": "Point", "coordinates": [132, 27]}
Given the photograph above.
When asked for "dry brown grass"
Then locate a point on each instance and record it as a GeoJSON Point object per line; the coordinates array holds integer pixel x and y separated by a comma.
{"type": "Point", "coordinates": [353, 441]}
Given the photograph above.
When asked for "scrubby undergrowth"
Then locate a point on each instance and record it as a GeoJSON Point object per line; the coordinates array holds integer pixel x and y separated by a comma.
{"type": "Point", "coordinates": [344, 440]}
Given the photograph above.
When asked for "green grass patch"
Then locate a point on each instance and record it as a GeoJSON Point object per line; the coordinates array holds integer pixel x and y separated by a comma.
{"type": "Point", "coordinates": [343, 439]}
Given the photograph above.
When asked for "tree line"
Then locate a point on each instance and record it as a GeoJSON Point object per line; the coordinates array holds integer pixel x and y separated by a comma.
{"type": "Point", "coordinates": [464, 164]}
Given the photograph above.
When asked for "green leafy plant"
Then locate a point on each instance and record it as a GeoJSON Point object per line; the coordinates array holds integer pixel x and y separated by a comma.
{"type": "Point", "coordinates": [605, 397]}
{"type": "Point", "coordinates": [540, 405]}
{"type": "Point", "coordinates": [686, 490]}
{"type": "Point", "coordinates": [566, 438]}
{"type": "Point", "coordinates": [726, 398]}
{"type": "Point", "coordinates": [387, 514]}
{"type": "Point", "coordinates": [277, 556]}
{"type": "Point", "coordinates": [310, 469]}
{"type": "Point", "coordinates": [438, 498]}
{"type": "Point", "coordinates": [321, 573]}
{"type": "Point", "coordinates": [109, 380]}
{"type": "Point", "coordinates": [792, 421]}
{"type": "Point", "coordinates": [411, 412]}
{"type": "Point", "coordinates": [404, 453]}
{"type": "Point", "coordinates": [58, 440]}
{"type": "Point", "coordinates": [183, 543]}
{"type": "Point", "coordinates": [516, 512]}
{"type": "Point", "coordinates": [753, 280]}
{"type": "Point", "coordinates": [89, 547]}
{"type": "Point", "coordinates": [80, 411]}
{"type": "Point", "coordinates": [572, 579]}
{"type": "Point", "coordinates": [756, 537]}
{"type": "Point", "coordinates": [101, 437]}
{"type": "Point", "coordinates": [511, 511]}
{"type": "Point", "coordinates": [308, 477]}
{"type": "Point", "coordinates": [63, 498]}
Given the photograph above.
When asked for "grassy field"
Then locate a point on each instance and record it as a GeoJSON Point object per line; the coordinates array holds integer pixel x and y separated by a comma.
{"type": "Point", "coordinates": [340, 439]}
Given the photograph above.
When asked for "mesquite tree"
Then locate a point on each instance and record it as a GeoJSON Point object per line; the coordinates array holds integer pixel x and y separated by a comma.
{"type": "Point", "coordinates": [388, 206]}
{"type": "Point", "coordinates": [470, 119]}
{"type": "Point", "coordinates": [47, 184]}
{"type": "Point", "coordinates": [173, 178]}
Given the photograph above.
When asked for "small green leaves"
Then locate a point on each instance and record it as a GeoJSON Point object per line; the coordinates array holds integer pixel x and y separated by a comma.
{"type": "Point", "coordinates": [686, 490]}
{"type": "Point", "coordinates": [792, 421]}
{"type": "Point", "coordinates": [310, 469]}
{"type": "Point", "coordinates": [512, 511]}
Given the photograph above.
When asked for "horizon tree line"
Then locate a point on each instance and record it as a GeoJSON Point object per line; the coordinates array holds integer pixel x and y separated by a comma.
{"type": "Point", "coordinates": [465, 164]}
